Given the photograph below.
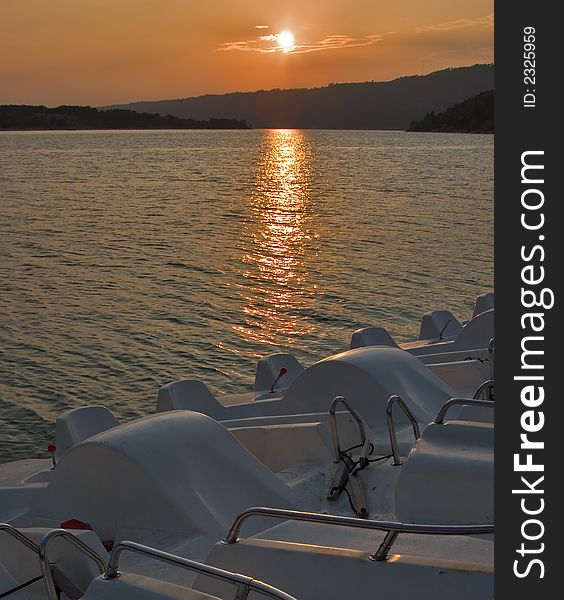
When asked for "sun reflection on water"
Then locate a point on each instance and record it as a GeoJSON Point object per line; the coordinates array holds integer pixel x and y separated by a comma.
{"type": "Point", "coordinates": [279, 243]}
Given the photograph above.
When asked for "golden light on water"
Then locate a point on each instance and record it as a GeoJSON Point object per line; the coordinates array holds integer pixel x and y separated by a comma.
{"type": "Point", "coordinates": [279, 243]}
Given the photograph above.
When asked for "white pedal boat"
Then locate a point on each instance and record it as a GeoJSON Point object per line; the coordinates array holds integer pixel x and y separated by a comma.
{"type": "Point", "coordinates": [441, 337]}
{"type": "Point", "coordinates": [464, 360]}
{"type": "Point", "coordinates": [181, 482]}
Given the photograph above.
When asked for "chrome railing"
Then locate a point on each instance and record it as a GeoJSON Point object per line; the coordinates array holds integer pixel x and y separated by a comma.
{"type": "Point", "coordinates": [243, 583]}
{"type": "Point", "coordinates": [486, 386]}
{"type": "Point", "coordinates": [392, 528]}
{"type": "Point", "coordinates": [365, 444]}
{"type": "Point", "coordinates": [391, 428]}
{"type": "Point", "coordinates": [18, 535]}
{"type": "Point", "coordinates": [440, 419]}
{"type": "Point", "coordinates": [44, 558]}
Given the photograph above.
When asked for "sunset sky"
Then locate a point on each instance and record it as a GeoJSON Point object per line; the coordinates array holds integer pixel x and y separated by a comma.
{"type": "Point", "coordinates": [108, 51]}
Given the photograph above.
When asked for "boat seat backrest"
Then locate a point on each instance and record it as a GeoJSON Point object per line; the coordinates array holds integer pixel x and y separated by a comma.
{"type": "Point", "coordinates": [483, 303]}
{"type": "Point", "coordinates": [188, 394]}
{"type": "Point", "coordinates": [448, 475]}
{"type": "Point", "coordinates": [79, 424]}
{"type": "Point", "coordinates": [439, 324]}
{"type": "Point", "coordinates": [268, 372]}
{"type": "Point", "coordinates": [372, 336]}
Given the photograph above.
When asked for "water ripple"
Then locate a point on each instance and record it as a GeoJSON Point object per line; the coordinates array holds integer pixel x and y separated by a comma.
{"type": "Point", "coordinates": [130, 259]}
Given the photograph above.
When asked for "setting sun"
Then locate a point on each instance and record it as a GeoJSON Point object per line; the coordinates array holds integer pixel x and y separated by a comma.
{"type": "Point", "coordinates": [286, 40]}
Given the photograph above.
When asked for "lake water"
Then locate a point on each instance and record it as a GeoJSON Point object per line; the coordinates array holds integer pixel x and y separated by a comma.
{"type": "Point", "coordinates": [130, 259]}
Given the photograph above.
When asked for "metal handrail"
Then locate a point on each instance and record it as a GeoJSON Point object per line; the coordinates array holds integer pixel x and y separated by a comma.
{"type": "Point", "coordinates": [440, 419]}
{"type": "Point", "coordinates": [395, 399]}
{"type": "Point", "coordinates": [486, 386]}
{"type": "Point", "coordinates": [359, 423]}
{"type": "Point", "coordinates": [44, 560]}
{"type": "Point", "coordinates": [392, 528]}
{"type": "Point", "coordinates": [18, 535]}
{"type": "Point", "coordinates": [243, 583]}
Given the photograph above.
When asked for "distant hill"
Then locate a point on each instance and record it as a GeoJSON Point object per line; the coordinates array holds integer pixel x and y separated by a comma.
{"type": "Point", "coordinates": [371, 105]}
{"type": "Point", "coordinates": [474, 115]}
{"type": "Point", "coordinates": [18, 117]}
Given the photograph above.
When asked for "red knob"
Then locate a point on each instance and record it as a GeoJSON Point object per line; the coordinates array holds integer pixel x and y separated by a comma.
{"type": "Point", "coordinates": [283, 371]}
{"type": "Point", "coordinates": [51, 448]}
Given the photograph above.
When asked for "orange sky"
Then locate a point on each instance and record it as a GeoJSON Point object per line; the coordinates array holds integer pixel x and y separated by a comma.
{"type": "Point", "coordinates": [102, 51]}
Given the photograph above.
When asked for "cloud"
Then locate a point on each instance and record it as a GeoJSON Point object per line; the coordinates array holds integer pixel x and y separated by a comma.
{"type": "Point", "coordinates": [264, 44]}
{"type": "Point", "coordinates": [481, 22]}
{"type": "Point", "coordinates": [268, 44]}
